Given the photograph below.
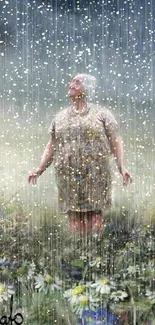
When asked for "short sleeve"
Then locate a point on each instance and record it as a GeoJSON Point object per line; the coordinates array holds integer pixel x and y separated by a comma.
{"type": "Point", "coordinates": [111, 125]}
{"type": "Point", "coordinates": [51, 130]}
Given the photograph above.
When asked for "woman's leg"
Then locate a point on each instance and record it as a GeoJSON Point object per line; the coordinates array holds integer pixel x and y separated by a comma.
{"type": "Point", "coordinates": [93, 221]}
{"type": "Point", "coordinates": [83, 222]}
{"type": "Point", "coordinates": [76, 222]}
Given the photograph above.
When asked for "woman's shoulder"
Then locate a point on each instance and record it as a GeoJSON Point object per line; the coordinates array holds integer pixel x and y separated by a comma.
{"type": "Point", "coordinates": [104, 113]}
{"type": "Point", "coordinates": [101, 109]}
{"type": "Point", "coordinates": [61, 113]}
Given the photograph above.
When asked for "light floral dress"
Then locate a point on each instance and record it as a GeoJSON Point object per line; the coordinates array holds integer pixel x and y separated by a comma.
{"type": "Point", "coordinates": [82, 158]}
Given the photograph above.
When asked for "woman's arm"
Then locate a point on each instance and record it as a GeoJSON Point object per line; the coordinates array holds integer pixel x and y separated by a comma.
{"type": "Point", "coordinates": [46, 161]}
{"type": "Point", "coordinates": [47, 156]}
{"type": "Point", "coordinates": [116, 145]}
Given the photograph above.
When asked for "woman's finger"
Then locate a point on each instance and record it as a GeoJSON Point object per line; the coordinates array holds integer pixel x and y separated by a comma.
{"type": "Point", "coordinates": [129, 179]}
{"type": "Point", "coordinates": [29, 178]}
{"type": "Point", "coordinates": [34, 180]}
{"type": "Point", "coordinates": [124, 180]}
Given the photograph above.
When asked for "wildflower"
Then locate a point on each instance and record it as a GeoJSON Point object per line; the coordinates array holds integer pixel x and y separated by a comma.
{"type": "Point", "coordinates": [48, 278]}
{"type": "Point", "coordinates": [5, 292]}
{"type": "Point", "coordinates": [98, 316]}
{"type": "Point", "coordinates": [83, 257]}
{"type": "Point", "coordinates": [39, 282]}
{"type": "Point", "coordinates": [132, 269]}
{"type": "Point", "coordinates": [5, 263]}
{"type": "Point", "coordinates": [31, 270]}
{"type": "Point", "coordinates": [83, 302]}
{"type": "Point", "coordinates": [97, 262]}
{"type": "Point", "coordinates": [118, 295]}
{"type": "Point", "coordinates": [102, 286]}
{"type": "Point", "coordinates": [78, 290]}
{"type": "Point", "coordinates": [150, 294]}
{"type": "Point", "coordinates": [47, 282]}
{"type": "Point", "coordinates": [73, 294]}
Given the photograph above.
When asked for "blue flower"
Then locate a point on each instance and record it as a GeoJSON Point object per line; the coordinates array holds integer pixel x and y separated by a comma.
{"type": "Point", "coordinates": [100, 316]}
{"type": "Point", "coordinates": [25, 234]}
{"type": "Point", "coordinates": [5, 263]}
{"type": "Point", "coordinates": [72, 271]}
{"type": "Point", "coordinates": [76, 273]}
{"type": "Point", "coordinates": [65, 266]}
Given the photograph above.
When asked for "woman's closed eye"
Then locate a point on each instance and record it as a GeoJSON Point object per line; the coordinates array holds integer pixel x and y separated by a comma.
{"type": "Point", "coordinates": [78, 82]}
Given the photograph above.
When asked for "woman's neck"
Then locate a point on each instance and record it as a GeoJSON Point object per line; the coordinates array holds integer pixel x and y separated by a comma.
{"type": "Point", "coordinates": [79, 103]}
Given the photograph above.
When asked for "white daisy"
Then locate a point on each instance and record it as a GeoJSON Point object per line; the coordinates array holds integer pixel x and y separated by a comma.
{"type": "Point", "coordinates": [118, 295]}
{"type": "Point", "coordinates": [67, 293]}
{"type": "Point", "coordinates": [39, 282]}
{"type": "Point", "coordinates": [85, 301]}
{"type": "Point", "coordinates": [132, 269]}
{"type": "Point", "coordinates": [57, 285]}
{"type": "Point", "coordinates": [58, 281]}
{"type": "Point", "coordinates": [96, 262]}
{"type": "Point", "coordinates": [83, 257]}
{"type": "Point", "coordinates": [150, 294]}
{"type": "Point", "coordinates": [47, 282]}
{"type": "Point", "coordinates": [31, 271]}
{"type": "Point", "coordinates": [5, 292]}
{"type": "Point", "coordinates": [102, 286]}
{"type": "Point", "coordinates": [73, 294]}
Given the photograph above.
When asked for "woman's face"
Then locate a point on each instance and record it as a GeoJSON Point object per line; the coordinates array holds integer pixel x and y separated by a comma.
{"type": "Point", "coordinates": [76, 86]}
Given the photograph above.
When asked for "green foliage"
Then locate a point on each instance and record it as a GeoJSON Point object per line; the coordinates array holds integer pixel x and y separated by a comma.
{"type": "Point", "coordinates": [77, 263]}
{"type": "Point", "coordinates": [51, 308]}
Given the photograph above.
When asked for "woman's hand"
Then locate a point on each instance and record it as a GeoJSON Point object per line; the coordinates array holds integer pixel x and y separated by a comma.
{"type": "Point", "coordinates": [34, 175]}
{"type": "Point", "coordinates": [46, 160]}
{"type": "Point", "coordinates": [127, 178]}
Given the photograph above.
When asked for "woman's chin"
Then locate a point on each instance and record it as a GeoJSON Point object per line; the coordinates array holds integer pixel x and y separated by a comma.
{"type": "Point", "coordinates": [72, 93]}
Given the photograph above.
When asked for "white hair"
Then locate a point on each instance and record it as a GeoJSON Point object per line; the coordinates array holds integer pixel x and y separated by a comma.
{"type": "Point", "coordinates": [89, 85]}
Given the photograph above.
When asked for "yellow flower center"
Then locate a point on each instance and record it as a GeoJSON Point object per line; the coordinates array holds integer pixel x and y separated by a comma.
{"type": "Point", "coordinates": [98, 260]}
{"type": "Point", "coordinates": [78, 290]}
{"type": "Point", "coordinates": [48, 278]}
{"type": "Point", "coordinates": [84, 301]}
{"type": "Point", "coordinates": [20, 271]}
{"type": "Point", "coordinates": [89, 319]}
{"type": "Point", "coordinates": [2, 289]}
{"type": "Point", "coordinates": [105, 281]}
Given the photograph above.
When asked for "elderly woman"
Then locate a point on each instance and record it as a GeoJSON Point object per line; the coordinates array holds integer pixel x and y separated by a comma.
{"type": "Point", "coordinates": [82, 139]}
